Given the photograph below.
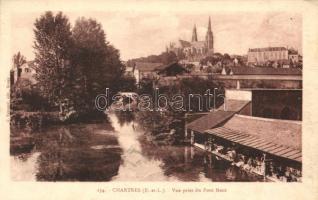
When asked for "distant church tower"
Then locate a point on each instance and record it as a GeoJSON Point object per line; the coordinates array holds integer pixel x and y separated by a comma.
{"type": "Point", "coordinates": [194, 34]}
{"type": "Point", "coordinates": [209, 38]}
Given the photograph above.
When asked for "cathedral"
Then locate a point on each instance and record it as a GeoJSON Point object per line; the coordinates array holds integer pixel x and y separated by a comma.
{"type": "Point", "coordinates": [194, 50]}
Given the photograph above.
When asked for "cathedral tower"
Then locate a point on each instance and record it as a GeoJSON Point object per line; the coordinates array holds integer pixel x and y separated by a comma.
{"type": "Point", "coordinates": [194, 34]}
{"type": "Point", "coordinates": [209, 38]}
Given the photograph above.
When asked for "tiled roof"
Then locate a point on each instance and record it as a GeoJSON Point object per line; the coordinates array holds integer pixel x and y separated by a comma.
{"type": "Point", "coordinates": [210, 120]}
{"type": "Point", "coordinates": [265, 71]}
{"type": "Point", "coordinates": [147, 66]}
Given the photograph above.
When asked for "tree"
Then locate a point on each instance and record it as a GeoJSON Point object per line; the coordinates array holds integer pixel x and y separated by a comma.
{"type": "Point", "coordinates": [168, 57]}
{"type": "Point", "coordinates": [98, 62]}
{"type": "Point", "coordinates": [18, 61]}
{"type": "Point", "coordinates": [165, 58]}
{"type": "Point", "coordinates": [127, 83]}
{"type": "Point", "coordinates": [52, 57]}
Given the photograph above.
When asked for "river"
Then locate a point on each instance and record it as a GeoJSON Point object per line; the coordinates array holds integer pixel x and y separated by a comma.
{"type": "Point", "coordinates": [116, 150]}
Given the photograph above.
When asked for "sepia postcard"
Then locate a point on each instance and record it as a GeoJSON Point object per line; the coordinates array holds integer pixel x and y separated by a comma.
{"type": "Point", "coordinates": [158, 99]}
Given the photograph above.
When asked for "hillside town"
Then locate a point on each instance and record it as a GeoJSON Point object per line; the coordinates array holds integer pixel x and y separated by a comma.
{"type": "Point", "coordinates": [254, 125]}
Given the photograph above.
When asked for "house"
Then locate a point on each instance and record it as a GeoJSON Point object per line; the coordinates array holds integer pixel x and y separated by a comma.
{"type": "Point", "coordinates": [26, 72]}
{"type": "Point", "coordinates": [146, 70]}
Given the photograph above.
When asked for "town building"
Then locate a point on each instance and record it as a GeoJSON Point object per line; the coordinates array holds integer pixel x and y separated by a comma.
{"type": "Point", "coordinates": [260, 56]}
{"type": "Point", "coordinates": [194, 50]}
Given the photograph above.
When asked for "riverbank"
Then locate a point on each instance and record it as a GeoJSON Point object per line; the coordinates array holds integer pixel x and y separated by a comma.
{"type": "Point", "coordinates": [36, 120]}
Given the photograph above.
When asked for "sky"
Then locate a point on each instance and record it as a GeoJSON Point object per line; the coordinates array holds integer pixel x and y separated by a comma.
{"type": "Point", "coordinates": [138, 34]}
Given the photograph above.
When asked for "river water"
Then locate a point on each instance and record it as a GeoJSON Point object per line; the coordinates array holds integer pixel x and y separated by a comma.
{"type": "Point", "coordinates": [116, 150]}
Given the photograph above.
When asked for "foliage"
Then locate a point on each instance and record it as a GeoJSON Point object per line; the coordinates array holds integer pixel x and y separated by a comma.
{"type": "Point", "coordinates": [25, 96]}
{"type": "Point", "coordinates": [74, 66]}
{"type": "Point", "coordinates": [146, 86]}
{"type": "Point", "coordinates": [32, 120]}
{"type": "Point", "coordinates": [165, 58]}
{"type": "Point", "coordinates": [127, 83]}
{"type": "Point", "coordinates": [174, 69]}
{"type": "Point", "coordinates": [98, 62]}
{"type": "Point", "coordinates": [18, 60]}
{"type": "Point", "coordinates": [200, 86]}
{"type": "Point", "coordinates": [52, 56]}
{"type": "Point", "coordinates": [160, 123]}
{"type": "Point", "coordinates": [155, 122]}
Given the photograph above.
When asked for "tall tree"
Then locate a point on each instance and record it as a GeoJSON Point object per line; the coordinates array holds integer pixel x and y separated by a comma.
{"type": "Point", "coordinates": [52, 46]}
{"type": "Point", "coordinates": [18, 60]}
{"type": "Point", "coordinates": [98, 60]}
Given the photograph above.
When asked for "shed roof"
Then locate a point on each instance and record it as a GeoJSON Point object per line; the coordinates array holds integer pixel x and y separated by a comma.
{"type": "Point", "coordinates": [210, 120]}
{"type": "Point", "coordinates": [278, 137]}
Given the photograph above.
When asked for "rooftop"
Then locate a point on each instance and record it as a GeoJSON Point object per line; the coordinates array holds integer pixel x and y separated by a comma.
{"type": "Point", "coordinates": [210, 120]}
{"type": "Point", "coordinates": [147, 66]}
{"type": "Point", "coordinates": [184, 43]}
{"type": "Point", "coordinates": [278, 137]}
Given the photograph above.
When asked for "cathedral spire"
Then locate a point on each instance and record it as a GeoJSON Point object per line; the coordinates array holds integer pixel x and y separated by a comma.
{"type": "Point", "coordinates": [209, 37]}
{"type": "Point", "coordinates": [194, 34]}
{"type": "Point", "coordinates": [209, 25]}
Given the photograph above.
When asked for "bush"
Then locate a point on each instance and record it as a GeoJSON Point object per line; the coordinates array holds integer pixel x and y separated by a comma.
{"type": "Point", "coordinates": [32, 120]}
{"type": "Point", "coordinates": [25, 96]}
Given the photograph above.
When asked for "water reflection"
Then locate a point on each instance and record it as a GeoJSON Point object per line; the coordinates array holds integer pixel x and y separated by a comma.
{"type": "Point", "coordinates": [116, 151]}
{"type": "Point", "coordinates": [135, 166]}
